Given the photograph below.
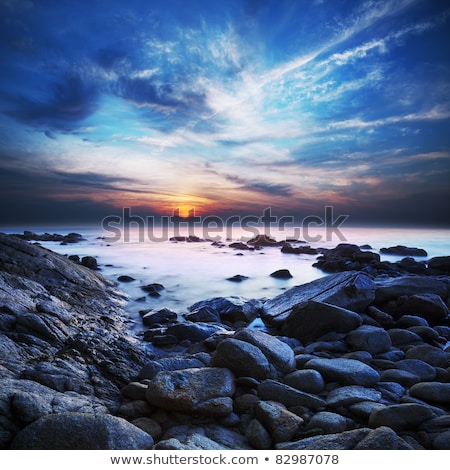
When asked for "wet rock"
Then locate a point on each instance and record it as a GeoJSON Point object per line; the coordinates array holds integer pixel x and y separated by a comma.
{"type": "Point", "coordinates": [346, 257]}
{"type": "Point", "coordinates": [311, 320]}
{"type": "Point", "coordinates": [231, 309]}
{"type": "Point", "coordinates": [401, 250]}
{"type": "Point", "coordinates": [154, 289]}
{"type": "Point", "coordinates": [125, 278]}
{"type": "Point", "coordinates": [203, 314]}
{"type": "Point", "coordinates": [350, 290]}
{"type": "Point", "coordinates": [80, 431]}
{"type": "Point", "coordinates": [440, 263]}
{"type": "Point", "coordinates": [243, 358]}
{"type": "Point", "coordinates": [193, 331]}
{"type": "Point", "coordinates": [345, 371]}
{"type": "Point", "coordinates": [158, 316]}
{"type": "Point", "coordinates": [405, 416]}
{"type": "Point", "coordinates": [281, 274]}
{"type": "Point", "coordinates": [369, 338]}
{"type": "Point", "coordinates": [264, 240]}
{"type": "Point", "coordinates": [432, 392]}
{"type": "Point", "coordinates": [206, 391]}
{"type": "Point", "coordinates": [237, 278]}
{"type": "Point", "coordinates": [90, 262]}
{"type": "Point", "coordinates": [299, 250]}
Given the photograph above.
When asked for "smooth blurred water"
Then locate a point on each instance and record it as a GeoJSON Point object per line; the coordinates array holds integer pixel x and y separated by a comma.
{"type": "Point", "coordinates": [196, 271]}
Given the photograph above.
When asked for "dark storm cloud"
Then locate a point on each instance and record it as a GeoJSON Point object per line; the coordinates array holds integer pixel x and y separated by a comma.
{"type": "Point", "coordinates": [68, 102]}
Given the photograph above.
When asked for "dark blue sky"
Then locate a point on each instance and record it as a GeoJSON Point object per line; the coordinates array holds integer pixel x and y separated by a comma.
{"type": "Point", "coordinates": [227, 107]}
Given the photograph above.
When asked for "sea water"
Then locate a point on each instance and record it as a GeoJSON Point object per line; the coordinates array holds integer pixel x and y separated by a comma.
{"type": "Point", "coordinates": [194, 271]}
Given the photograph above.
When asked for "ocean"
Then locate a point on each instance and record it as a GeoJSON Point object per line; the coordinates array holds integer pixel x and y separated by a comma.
{"type": "Point", "coordinates": [194, 271]}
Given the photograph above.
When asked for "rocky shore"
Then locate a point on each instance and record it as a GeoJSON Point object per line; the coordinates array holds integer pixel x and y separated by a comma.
{"type": "Point", "coordinates": [359, 359]}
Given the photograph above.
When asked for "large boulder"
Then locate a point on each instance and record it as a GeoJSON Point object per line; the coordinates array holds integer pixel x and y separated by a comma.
{"type": "Point", "coordinates": [393, 288]}
{"type": "Point", "coordinates": [206, 391]}
{"type": "Point", "coordinates": [428, 306]}
{"type": "Point", "coordinates": [80, 431]}
{"type": "Point", "coordinates": [350, 290]}
{"type": "Point", "coordinates": [311, 320]}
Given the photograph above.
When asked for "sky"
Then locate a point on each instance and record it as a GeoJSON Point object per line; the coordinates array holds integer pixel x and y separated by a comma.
{"type": "Point", "coordinates": [225, 107]}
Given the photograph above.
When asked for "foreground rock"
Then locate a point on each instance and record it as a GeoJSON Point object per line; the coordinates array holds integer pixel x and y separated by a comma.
{"type": "Point", "coordinates": [64, 343]}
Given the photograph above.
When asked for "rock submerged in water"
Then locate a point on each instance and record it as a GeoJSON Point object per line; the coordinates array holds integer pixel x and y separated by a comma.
{"type": "Point", "coordinates": [371, 374]}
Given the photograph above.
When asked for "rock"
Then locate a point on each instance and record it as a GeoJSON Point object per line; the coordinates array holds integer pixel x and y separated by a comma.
{"type": "Point", "coordinates": [345, 371]}
{"type": "Point", "coordinates": [442, 441]}
{"type": "Point", "coordinates": [421, 369]}
{"type": "Point", "coordinates": [407, 321]}
{"type": "Point", "coordinates": [429, 354]}
{"type": "Point", "coordinates": [282, 274]}
{"type": "Point", "coordinates": [193, 331]}
{"type": "Point", "coordinates": [391, 391]}
{"type": "Point", "coordinates": [428, 306]}
{"type": "Point", "coordinates": [393, 288]}
{"type": "Point", "coordinates": [382, 318]}
{"type": "Point", "coordinates": [401, 337]}
{"type": "Point", "coordinates": [382, 438]}
{"type": "Point", "coordinates": [257, 435]}
{"type": "Point", "coordinates": [311, 320]}
{"type": "Point", "coordinates": [432, 392]}
{"type": "Point", "coordinates": [427, 333]}
{"type": "Point", "coordinates": [243, 358]}
{"type": "Point", "coordinates": [154, 289]}
{"type": "Point", "coordinates": [203, 314]}
{"type": "Point", "coordinates": [90, 262]}
{"type": "Point", "coordinates": [80, 431]}
{"type": "Point", "coordinates": [346, 257]}
{"type": "Point", "coordinates": [231, 309]}
{"type": "Point", "coordinates": [299, 250]}
{"type": "Point", "coordinates": [125, 278]}
{"type": "Point", "coordinates": [237, 278]}
{"type": "Point", "coordinates": [158, 316]}
{"type": "Point", "coordinates": [406, 416]}
{"type": "Point", "coordinates": [326, 422]}
{"type": "Point", "coordinates": [350, 394]}
{"type": "Point", "coordinates": [240, 246]}
{"type": "Point", "coordinates": [134, 391]}
{"type": "Point", "coordinates": [308, 380]}
{"type": "Point", "coordinates": [279, 354]}
{"type": "Point", "coordinates": [362, 409]}
{"type": "Point", "coordinates": [281, 424]}
{"type": "Point", "coordinates": [264, 240]}
{"type": "Point", "coordinates": [149, 426]}
{"type": "Point", "coordinates": [271, 390]}
{"type": "Point", "coordinates": [349, 290]}
{"type": "Point", "coordinates": [369, 338]}
{"type": "Point", "coordinates": [170, 363]}
{"type": "Point", "coordinates": [401, 250]}
{"type": "Point", "coordinates": [206, 391]}
{"type": "Point", "coordinates": [402, 377]}
{"type": "Point", "coordinates": [340, 441]}
{"type": "Point", "coordinates": [440, 263]}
